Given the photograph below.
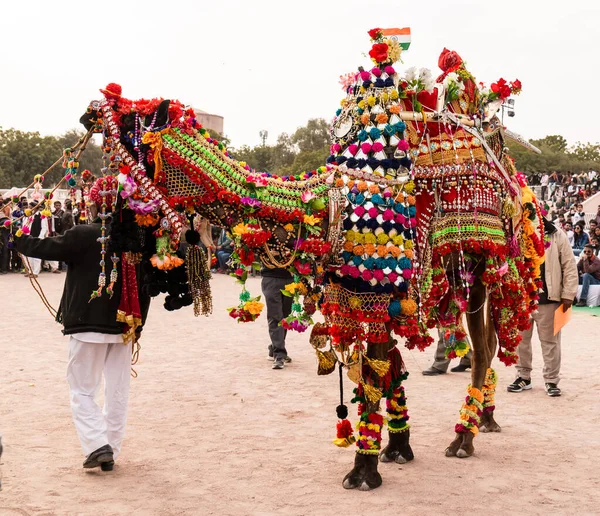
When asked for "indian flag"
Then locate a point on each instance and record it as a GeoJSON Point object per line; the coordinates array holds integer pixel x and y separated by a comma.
{"type": "Point", "coordinates": [401, 35]}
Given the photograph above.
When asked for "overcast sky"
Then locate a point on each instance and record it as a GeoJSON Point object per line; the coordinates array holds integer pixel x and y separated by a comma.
{"type": "Point", "coordinates": [273, 64]}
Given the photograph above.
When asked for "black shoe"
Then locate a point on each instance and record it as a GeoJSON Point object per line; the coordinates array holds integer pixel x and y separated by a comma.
{"type": "Point", "coordinates": [552, 390]}
{"type": "Point", "coordinates": [460, 368]}
{"type": "Point", "coordinates": [581, 302]}
{"type": "Point", "coordinates": [99, 457]}
{"type": "Point", "coordinates": [519, 385]}
{"type": "Point", "coordinates": [287, 359]}
{"type": "Point", "coordinates": [432, 371]}
{"type": "Point", "coordinates": [278, 364]}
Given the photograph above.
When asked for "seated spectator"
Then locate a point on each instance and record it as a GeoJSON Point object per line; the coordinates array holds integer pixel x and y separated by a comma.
{"type": "Point", "coordinates": [580, 238]}
{"type": "Point", "coordinates": [595, 243]}
{"type": "Point", "coordinates": [598, 216]}
{"type": "Point", "coordinates": [589, 273]}
{"type": "Point", "coordinates": [568, 228]}
{"type": "Point", "coordinates": [224, 250]}
{"type": "Point", "coordinates": [592, 226]}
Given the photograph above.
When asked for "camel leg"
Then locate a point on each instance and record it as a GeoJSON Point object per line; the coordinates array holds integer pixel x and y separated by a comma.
{"type": "Point", "coordinates": [398, 449]}
{"type": "Point", "coordinates": [470, 414]}
{"type": "Point", "coordinates": [364, 476]}
{"type": "Point", "coordinates": [488, 423]}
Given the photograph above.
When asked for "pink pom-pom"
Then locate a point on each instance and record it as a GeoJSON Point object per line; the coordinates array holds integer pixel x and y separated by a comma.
{"type": "Point", "coordinates": [365, 76]}
{"type": "Point", "coordinates": [335, 148]}
{"type": "Point", "coordinates": [407, 273]}
{"type": "Point", "coordinates": [354, 272]}
{"type": "Point", "coordinates": [376, 71]}
{"type": "Point", "coordinates": [388, 215]}
{"type": "Point", "coordinates": [373, 212]}
{"type": "Point", "coordinates": [389, 70]}
{"type": "Point", "coordinates": [25, 230]}
{"type": "Point", "coordinates": [392, 276]}
{"type": "Point", "coordinates": [367, 275]}
{"type": "Point", "coordinates": [403, 145]}
{"type": "Point", "coordinates": [7, 223]}
{"type": "Point", "coordinates": [400, 219]}
{"type": "Point", "coordinates": [366, 147]}
{"type": "Point", "coordinates": [359, 211]}
{"type": "Point", "coordinates": [353, 149]}
{"type": "Point", "coordinates": [378, 274]}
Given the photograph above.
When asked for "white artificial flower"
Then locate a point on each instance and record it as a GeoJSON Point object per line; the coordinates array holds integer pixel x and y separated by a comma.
{"type": "Point", "coordinates": [411, 74]}
{"type": "Point", "coordinates": [451, 77]}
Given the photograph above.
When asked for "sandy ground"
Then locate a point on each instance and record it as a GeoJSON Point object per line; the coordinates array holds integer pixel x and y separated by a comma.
{"type": "Point", "coordinates": [214, 430]}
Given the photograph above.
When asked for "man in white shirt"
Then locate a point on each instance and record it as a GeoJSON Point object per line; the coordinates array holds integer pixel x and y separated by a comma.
{"type": "Point", "coordinates": [544, 184]}
{"type": "Point", "coordinates": [579, 214]}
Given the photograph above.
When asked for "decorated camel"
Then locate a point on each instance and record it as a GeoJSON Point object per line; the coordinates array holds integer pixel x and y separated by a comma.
{"type": "Point", "coordinates": [417, 219]}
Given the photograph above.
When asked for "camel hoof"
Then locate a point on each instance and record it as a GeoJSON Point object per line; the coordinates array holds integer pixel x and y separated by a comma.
{"type": "Point", "coordinates": [490, 428]}
{"type": "Point", "coordinates": [400, 460]}
{"type": "Point", "coordinates": [462, 454]}
{"type": "Point", "coordinates": [450, 452]}
{"type": "Point", "coordinates": [364, 476]}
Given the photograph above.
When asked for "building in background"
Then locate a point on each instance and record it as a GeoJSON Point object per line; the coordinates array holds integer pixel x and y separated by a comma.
{"type": "Point", "coordinates": [210, 121]}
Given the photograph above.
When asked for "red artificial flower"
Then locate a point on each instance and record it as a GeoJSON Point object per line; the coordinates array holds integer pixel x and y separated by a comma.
{"type": "Point", "coordinates": [501, 88]}
{"type": "Point", "coordinates": [303, 268]}
{"type": "Point", "coordinates": [246, 257]}
{"type": "Point", "coordinates": [516, 86]}
{"type": "Point", "coordinates": [375, 33]}
{"type": "Point", "coordinates": [449, 61]}
{"type": "Point", "coordinates": [379, 52]}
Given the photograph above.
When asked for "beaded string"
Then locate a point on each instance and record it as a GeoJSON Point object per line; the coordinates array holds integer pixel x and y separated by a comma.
{"type": "Point", "coordinates": [102, 277]}
{"type": "Point", "coordinates": [114, 258]}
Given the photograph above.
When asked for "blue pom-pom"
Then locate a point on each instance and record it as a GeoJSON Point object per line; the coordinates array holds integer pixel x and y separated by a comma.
{"type": "Point", "coordinates": [394, 308]}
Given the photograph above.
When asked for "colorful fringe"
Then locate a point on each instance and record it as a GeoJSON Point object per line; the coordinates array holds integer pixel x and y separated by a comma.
{"type": "Point", "coordinates": [397, 411]}
{"type": "Point", "coordinates": [470, 412]}
{"type": "Point", "coordinates": [489, 390]}
{"type": "Point", "coordinates": [369, 433]}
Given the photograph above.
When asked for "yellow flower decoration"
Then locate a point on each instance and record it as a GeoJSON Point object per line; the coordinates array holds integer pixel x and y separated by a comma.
{"type": "Point", "coordinates": [394, 95]}
{"type": "Point", "coordinates": [311, 220]}
{"type": "Point", "coordinates": [291, 288]}
{"type": "Point", "coordinates": [382, 238]}
{"type": "Point", "coordinates": [362, 104]}
{"type": "Point", "coordinates": [371, 101]}
{"type": "Point", "coordinates": [240, 229]}
{"type": "Point", "coordinates": [289, 227]}
{"type": "Point", "coordinates": [359, 238]}
{"type": "Point", "coordinates": [253, 307]}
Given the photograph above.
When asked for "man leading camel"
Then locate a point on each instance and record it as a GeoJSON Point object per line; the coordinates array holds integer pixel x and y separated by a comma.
{"type": "Point", "coordinates": [96, 345]}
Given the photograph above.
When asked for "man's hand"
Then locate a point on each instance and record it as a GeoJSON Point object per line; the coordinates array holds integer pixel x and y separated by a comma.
{"type": "Point", "coordinates": [566, 303]}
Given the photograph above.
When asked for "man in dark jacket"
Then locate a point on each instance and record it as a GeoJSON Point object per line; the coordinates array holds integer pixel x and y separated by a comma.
{"type": "Point", "coordinates": [96, 343]}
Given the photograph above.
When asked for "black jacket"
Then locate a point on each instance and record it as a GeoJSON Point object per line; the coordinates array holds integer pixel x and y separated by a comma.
{"type": "Point", "coordinates": [80, 249]}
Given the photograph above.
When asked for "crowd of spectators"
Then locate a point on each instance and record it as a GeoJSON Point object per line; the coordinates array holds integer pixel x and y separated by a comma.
{"type": "Point", "coordinates": [27, 212]}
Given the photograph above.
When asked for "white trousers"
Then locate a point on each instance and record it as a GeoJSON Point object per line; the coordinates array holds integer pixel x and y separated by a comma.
{"type": "Point", "coordinates": [87, 362]}
{"type": "Point", "coordinates": [36, 265]}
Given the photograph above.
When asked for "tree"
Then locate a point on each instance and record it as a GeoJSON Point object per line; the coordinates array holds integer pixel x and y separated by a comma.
{"type": "Point", "coordinates": [25, 154]}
